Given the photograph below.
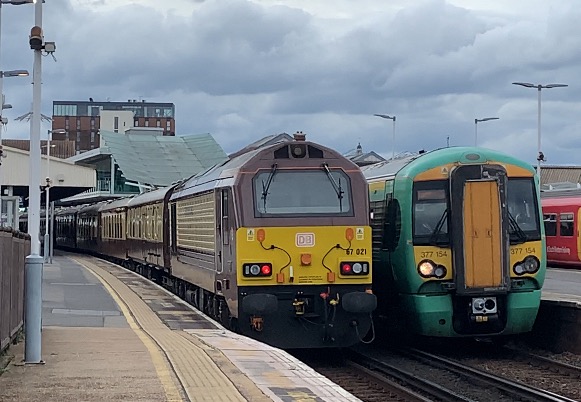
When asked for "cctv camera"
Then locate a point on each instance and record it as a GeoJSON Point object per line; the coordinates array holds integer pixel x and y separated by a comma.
{"type": "Point", "coordinates": [36, 38]}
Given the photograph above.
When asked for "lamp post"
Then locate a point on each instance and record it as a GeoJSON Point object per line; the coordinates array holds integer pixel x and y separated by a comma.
{"type": "Point", "coordinates": [541, 156]}
{"type": "Point", "coordinates": [476, 121]}
{"type": "Point", "coordinates": [47, 193]}
{"type": "Point", "coordinates": [34, 262]}
{"type": "Point", "coordinates": [384, 116]}
{"type": "Point", "coordinates": [12, 73]}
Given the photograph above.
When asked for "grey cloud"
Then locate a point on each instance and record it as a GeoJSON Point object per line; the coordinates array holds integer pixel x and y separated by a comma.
{"type": "Point", "coordinates": [240, 70]}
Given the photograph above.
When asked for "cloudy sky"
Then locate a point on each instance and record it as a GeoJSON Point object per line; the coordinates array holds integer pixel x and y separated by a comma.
{"type": "Point", "coordinates": [243, 69]}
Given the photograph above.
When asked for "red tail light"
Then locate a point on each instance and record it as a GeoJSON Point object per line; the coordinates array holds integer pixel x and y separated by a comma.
{"type": "Point", "coordinates": [355, 268]}
{"type": "Point", "coordinates": [346, 268]}
{"type": "Point", "coordinates": [257, 269]}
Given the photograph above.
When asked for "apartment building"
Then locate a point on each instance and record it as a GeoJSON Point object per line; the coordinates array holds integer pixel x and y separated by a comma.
{"type": "Point", "coordinates": [83, 120]}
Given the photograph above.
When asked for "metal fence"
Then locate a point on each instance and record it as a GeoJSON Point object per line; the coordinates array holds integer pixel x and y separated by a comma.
{"type": "Point", "coordinates": [14, 247]}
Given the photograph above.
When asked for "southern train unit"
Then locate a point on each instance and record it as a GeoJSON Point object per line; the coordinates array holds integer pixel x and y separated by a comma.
{"type": "Point", "coordinates": [562, 218]}
{"type": "Point", "coordinates": [458, 242]}
{"type": "Point", "coordinates": [274, 243]}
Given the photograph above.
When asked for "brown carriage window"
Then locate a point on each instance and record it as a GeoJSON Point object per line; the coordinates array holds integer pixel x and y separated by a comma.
{"type": "Point", "coordinates": [566, 227]}
{"type": "Point", "coordinates": [550, 221]}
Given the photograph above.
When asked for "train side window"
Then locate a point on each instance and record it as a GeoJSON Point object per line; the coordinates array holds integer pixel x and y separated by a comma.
{"type": "Point", "coordinates": [550, 221]}
{"type": "Point", "coordinates": [392, 228]}
{"type": "Point", "coordinates": [566, 225]}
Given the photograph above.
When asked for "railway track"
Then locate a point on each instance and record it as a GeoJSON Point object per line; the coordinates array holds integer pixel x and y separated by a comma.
{"type": "Point", "coordinates": [367, 383]}
{"type": "Point", "coordinates": [415, 375]}
{"type": "Point", "coordinates": [527, 368]}
{"type": "Point", "coordinates": [477, 375]}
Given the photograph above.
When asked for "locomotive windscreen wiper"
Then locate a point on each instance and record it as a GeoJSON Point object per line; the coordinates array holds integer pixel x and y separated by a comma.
{"type": "Point", "coordinates": [515, 229]}
{"type": "Point", "coordinates": [266, 186]}
{"type": "Point", "coordinates": [336, 186]}
{"type": "Point", "coordinates": [438, 229]}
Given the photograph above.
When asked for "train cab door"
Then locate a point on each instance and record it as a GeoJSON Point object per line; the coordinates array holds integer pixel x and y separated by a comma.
{"type": "Point", "coordinates": [224, 220]}
{"type": "Point", "coordinates": [480, 248]}
{"type": "Point", "coordinates": [482, 235]}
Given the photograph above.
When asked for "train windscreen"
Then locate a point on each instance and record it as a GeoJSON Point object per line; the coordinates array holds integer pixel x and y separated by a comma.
{"type": "Point", "coordinates": [523, 209]}
{"type": "Point", "coordinates": [430, 213]}
{"type": "Point", "coordinates": [302, 193]}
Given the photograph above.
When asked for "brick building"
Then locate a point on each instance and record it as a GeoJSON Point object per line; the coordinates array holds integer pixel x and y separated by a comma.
{"type": "Point", "coordinates": [82, 120]}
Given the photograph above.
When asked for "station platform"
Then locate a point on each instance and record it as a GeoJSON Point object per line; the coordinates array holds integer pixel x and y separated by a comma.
{"type": "Point", "coordinates": [562, 286]}
{"type": "Point", "coordinates": [110, 334]}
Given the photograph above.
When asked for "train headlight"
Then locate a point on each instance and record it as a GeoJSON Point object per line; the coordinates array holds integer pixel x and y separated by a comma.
{"type": "Point", "coordinates": [253, 270]}
{"type": "Point", "coordinates": [429, 269]}
{"type": "Point", "coordinates": [529, 265]}
{"type": "Point", "coordinates": [426, 268]}
{"type": "Point", "coordinates": [354, 268]}
{"type": "Point", "coordinates": [532, 264]}
{"type": "Point", "coordinates": [519, 268]}
{"type": "Point", "coordinates": [440, 271]}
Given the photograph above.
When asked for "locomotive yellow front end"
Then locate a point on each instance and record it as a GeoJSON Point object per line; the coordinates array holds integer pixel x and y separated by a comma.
{"type": "Point", "coordinates": [303, 252]}
{"type": "Point", "coordinates": [308, 283]}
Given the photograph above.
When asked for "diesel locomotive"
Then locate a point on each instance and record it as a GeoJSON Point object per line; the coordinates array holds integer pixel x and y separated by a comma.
{"type": "Point", "coordinates": [275, 243]}
{"type": "Point", "coordinates": [458, 242]}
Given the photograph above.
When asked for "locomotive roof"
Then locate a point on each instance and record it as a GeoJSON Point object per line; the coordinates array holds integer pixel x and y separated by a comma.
{"type": "Point", "coordinates": [387, 168]}
{"type": "Point", "coordinates": [411, 165]}
{"type": "Point", "coordinates": [226, 173]}
{"type": "Point", "coordinates": [221, 174]}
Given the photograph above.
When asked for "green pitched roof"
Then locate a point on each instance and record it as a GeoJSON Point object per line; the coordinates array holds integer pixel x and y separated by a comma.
{"type": "Point", "coordinates": [161, 160]}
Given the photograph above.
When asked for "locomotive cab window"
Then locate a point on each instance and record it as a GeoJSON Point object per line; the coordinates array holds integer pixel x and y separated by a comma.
{"type": "Point", "coordinates": [430, 213]}
{"type": "Point", "coordinates": [523, 209]}
{"type": "Point", "coordinates": [302, 192]}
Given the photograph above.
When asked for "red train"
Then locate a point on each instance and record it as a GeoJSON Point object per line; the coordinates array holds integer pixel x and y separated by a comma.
{"type": "Point", "coordinates": [562, 218]}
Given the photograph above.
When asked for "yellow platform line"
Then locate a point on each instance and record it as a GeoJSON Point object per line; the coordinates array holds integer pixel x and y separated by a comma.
{"type": "Point", "coordinates": [201, 379]}
{"type": "Point", "coordinates": [162, 367]}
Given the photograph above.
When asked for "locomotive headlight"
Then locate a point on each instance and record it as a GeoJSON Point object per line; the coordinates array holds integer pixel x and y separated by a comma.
{"type": "Point", "coordinates": [440, 272]}
{"type": "Point", "coordinates": [519, 268]}
{"type": "Point", "coordinates": [354, 268]}
{"type": "Point", "coordinates": [426, 268]}
{"type": "Point", "coordinates": [532, 264]}
{"type": "Point", "coordinates": [257, 270]}
{"type": "Point", "coordinates": [254, 269]}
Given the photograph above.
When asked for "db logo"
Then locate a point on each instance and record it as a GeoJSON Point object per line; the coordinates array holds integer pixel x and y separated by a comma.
{"type": "Point", "coordinates": [305, 239]}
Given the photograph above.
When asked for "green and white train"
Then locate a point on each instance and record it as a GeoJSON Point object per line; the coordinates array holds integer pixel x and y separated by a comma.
{"type": "Point", "coordinates": [458, 242]}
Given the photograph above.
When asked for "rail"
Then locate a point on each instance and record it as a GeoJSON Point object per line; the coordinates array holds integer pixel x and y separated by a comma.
{"type": "Point", "coordinates": [14, 247]}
